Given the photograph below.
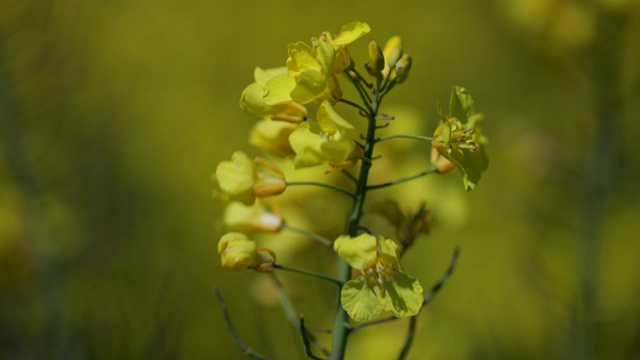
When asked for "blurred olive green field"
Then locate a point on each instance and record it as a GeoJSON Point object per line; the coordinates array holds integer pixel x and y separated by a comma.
{"type": "Point", "coordinates": [114, 114]}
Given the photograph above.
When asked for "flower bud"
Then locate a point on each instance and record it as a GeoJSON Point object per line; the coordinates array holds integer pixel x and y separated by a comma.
{"type": "Point", "coordinates": [237, 252]}
{"type": "Point", "coordinates": [393, 50]}
{"type": "Point", "coordinates": [402, 68]}
{"type": "Point", "coordinates": [376, 58]}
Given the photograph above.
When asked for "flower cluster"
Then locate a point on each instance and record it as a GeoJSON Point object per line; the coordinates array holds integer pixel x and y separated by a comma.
{"type": "Point", "coordinates": [300, 127]}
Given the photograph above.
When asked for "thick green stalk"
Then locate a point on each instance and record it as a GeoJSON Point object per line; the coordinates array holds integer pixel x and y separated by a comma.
{"type": "Point", "coordinates": [598, 181]}
{"type": "Point", "coordinates": [341, 329]}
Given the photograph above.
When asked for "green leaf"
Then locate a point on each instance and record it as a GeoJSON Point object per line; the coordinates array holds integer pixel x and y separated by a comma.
{"type": "Point", "coordinates": [461, 104]}
{"type": "Point", "coordinates": [471, 165]}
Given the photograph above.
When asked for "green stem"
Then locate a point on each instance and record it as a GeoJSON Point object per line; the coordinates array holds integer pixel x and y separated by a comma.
{"type": "Point", "coordinates": [314, 236]}
{"type": "Point", "coordinates": [406, 136]}
{"type": "Point", "coordinates": [309, 273]}
{"type": "Point", "coordinates": [365, 111]}
{"type": "Point", "coordinates": [410, 335]}
{"type": "Point", "coordinates": [598, 180]}
{"type": "Point", "coordinates": [405, 179]}
{"type": "Point", "coordinates": [341, 327]}
{"type": "Point", "coordinates": [321, 184]}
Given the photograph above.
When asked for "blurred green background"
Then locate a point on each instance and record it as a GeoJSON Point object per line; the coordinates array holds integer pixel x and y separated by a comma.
{"type": "Point", "coordinates": [114, 114]}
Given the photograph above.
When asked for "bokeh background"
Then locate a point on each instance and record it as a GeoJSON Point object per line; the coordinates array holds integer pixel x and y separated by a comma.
{"type": "Point", "coordinates": [114, 115]}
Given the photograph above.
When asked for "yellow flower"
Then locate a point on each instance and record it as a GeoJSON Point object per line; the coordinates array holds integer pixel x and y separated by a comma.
{"type": "Point", "coordinates": [272, 137]}
{"type": "Point", "coordinates": [325, 140]}
{"type": "Point", "coordinates": [238, 253]}
{"type": "Point", "coordinates": [243, 179]}
{"type": "Point", "coordinates": [382, 285]}
{"type": "Point", "coordinates": [460, 140]}
{"type": "Point", "coordinates": [248, 218]}
{"type": "Point", "coordinates": [312, 69]}
{"type": "Point", "coordinates": [253, 100]}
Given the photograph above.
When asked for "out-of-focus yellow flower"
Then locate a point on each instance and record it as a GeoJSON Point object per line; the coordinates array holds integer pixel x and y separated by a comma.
{"type": "Point", "coordinates": [460, 140]}
{"type": "Point", "coordinates": [382, 285]}
{"type": "Point", "coordinates": [243, 179]}
{"type": "Point", "coordinates": [325, 140]}
{"type": "Point", "coordinates": [403, 67]}
{"type": "Point", "coordinates": [408, 224]}
{"type": "Point", "coordinates": [272, 137]}
{"type": "Point", "coordinates": [253, 100]}
{"type": "Point", "coordinates": [238, 253]}
{"type": "Point", "coordinates": [248, 218]}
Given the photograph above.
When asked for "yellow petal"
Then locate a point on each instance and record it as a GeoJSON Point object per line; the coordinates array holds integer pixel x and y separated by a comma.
{"type": "Point", "coordinates": [351, 32]}
{"type": "Point", "coordinates": [236, 176]}
{"type": "Point", "coordinates": [237, 252]}
{"type": "Point", "coordinates": [361, 299]}
{"type": "Point", "coordinates": [278, 90]}
{"type": "Point", "coordinates": [402, 295]}
{"type": "Point", "coordinates": [359, 252]}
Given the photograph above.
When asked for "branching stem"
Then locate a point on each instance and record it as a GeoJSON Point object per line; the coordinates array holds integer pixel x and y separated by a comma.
{"type": "Point", "coordinates": [321, 184]}
{"type": "Point", "coordinates": [309, 273]}
{"type": "Point", "coordinates": [401, 180]}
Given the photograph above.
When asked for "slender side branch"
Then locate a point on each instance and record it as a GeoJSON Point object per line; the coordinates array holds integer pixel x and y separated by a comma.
{"type": "Point", "coordinates": [305, 341]}
{"type": "Point", "coordinates": [309, 273]}
{"type": "Point", "coordinates": [322, 240]}
{"type": "Point", "coordinates": [348, 102]}
{"type": "Point", "coordinates": [405, 136]}
{"type": "Point", "coordinates": [360, 85]}
{"type": "Point", "coordinates": [444, 278]}
{"type": "Point", "coordinates": [292, 315]}
{"type": "Point", "coordinates": [410, 336]}
{"type": "Point", "coordinates": [232, 330]}
{"type": "Point", "coordinates": [321, 184]}
{"type": "Point", "coordinates": [405, 179]}
{"type": "Point", "coordinates": [390, 86]}
{"type": "Point", "coordinates": [349, 175]}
